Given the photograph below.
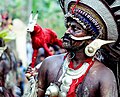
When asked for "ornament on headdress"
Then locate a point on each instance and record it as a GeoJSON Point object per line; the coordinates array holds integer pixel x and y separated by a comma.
{"type": "Point", "coordinates": [91, 49]}
{"type": "Point", "coordinates": [73, 8]}
{"type": "Point", "coordinates": [41, 37]}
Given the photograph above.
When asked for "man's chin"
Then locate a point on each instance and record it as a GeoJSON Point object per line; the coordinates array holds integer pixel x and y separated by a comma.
{"type": "Point", "coordinates": [75, 48]}
{"type": "Point", "coordinates": [66, 45]}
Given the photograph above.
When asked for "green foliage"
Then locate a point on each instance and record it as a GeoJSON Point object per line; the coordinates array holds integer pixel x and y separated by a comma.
{"type": "Point", "coordinates": [6, 35]}
{"type": "Point", "coordinates": [50, 15]}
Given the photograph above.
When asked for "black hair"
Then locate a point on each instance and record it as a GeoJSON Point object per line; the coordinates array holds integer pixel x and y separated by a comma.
{"type": "Point", "coordinates": [20, 62]}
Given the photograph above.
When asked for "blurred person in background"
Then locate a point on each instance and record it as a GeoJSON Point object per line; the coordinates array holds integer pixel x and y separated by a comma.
{"type": "Point", "coordinates": [52, 50]}
{"type": "Point", "coordinates": [21, 76]}
{"type": "Point", "coordinates": [6, 22]}
{"type": "Point", "coordinates": [7, 77]}
{"type": "Point", "coordinates": [55, 50]}
{"type": "Point", "coordinates": [29, 51]}
{"type": "Point", "coordinates": [40, 58]}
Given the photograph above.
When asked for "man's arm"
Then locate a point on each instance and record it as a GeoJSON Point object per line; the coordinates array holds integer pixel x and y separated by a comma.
{"type": "Point", "coordinates": [108, 85]}
{"type": "Point", "coordinates": [48, 72]}
{"type": "Point", "coordinates": [42, 80]}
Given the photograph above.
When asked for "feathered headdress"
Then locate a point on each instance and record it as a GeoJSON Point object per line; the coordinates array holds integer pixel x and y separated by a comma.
{"type": "Point", "coordinates": [101, 18]}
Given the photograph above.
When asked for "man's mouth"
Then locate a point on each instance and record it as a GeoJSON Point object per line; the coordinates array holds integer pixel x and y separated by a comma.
{"type": "Point", "coordinates": [66, 38]}
{"type": "Point", "coordinates": [66, 41]}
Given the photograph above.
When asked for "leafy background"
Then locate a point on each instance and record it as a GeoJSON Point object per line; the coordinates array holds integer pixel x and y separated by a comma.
{"type": "Point", "coordinates": [50, 14]}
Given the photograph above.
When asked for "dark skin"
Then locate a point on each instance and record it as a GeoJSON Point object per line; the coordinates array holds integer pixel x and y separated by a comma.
{"type": "Point", "coordinates": [5, 67]}
{"type": "Point", "coordinates": [99, 81]}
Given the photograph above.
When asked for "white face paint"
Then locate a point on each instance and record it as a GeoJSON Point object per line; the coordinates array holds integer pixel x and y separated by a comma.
{"type": "Point", "coordinates": [32, 22]}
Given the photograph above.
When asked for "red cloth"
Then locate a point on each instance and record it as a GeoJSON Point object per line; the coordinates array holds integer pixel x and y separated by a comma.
{"type": "Point", "coordinates": [76, 82]}
{"type": "Point", "coordinates": [42, 37]}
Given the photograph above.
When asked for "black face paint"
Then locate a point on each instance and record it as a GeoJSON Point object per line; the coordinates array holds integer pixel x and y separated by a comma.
{"type": "Point", "coordinates": [66, 36]}
{"type": "Point", "coordinates": [67, 39]}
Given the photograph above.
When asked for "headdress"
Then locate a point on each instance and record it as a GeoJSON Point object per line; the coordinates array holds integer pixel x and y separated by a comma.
{"type": "Point", "coordinates": [101, 18]}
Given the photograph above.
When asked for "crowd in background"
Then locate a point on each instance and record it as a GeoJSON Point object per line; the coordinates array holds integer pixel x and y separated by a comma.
{"type": "Point", "coordinates": [16, 74]}
{"type": "Point", "coordinates": [19, 78]}
{"type": "Point", "coordinates": [40, 57]}
{"type": "Point", "coordinates": [54, 49]}
{"type": "Point", "coordinates": [5, 20]}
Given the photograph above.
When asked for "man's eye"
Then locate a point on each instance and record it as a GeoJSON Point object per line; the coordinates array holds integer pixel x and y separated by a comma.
{"type": "Point", "coordinates": [67, 26]}
{"type": "Point", "coordinates": [73, 26]}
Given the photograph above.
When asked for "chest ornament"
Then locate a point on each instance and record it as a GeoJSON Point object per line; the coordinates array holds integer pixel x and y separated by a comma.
{"type": "Point", "coordinates": [69, 79]}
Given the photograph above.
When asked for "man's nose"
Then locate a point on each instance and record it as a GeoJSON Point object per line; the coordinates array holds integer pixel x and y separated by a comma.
{"type": "Point", "coordinates": [68, 30]}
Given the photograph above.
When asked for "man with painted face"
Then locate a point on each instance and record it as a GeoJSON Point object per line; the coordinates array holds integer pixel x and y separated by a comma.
{"type": "Point", "coordinates": [92, 32]}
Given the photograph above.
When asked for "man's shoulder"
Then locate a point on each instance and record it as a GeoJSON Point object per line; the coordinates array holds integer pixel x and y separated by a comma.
{"type": "Point", "coordinates": [52, 61]}
{"type": "Point", "coordinates": [103, 71]}
{"type": "Point", "coordinates": [102, 67]}
{"type": "Point", "coordinates": [54, 57]}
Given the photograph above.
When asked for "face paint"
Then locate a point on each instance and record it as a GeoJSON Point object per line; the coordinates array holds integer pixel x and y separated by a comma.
{"type": "Point", "coordinates": [71, 38]}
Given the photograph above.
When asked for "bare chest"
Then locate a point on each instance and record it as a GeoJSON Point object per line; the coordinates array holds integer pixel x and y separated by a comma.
{"type": "Point", "coordinates": [89, 87]}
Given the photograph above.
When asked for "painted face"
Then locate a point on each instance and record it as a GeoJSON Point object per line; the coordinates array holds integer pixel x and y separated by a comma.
{"type": "Point", "coordinates": [76, 30]}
